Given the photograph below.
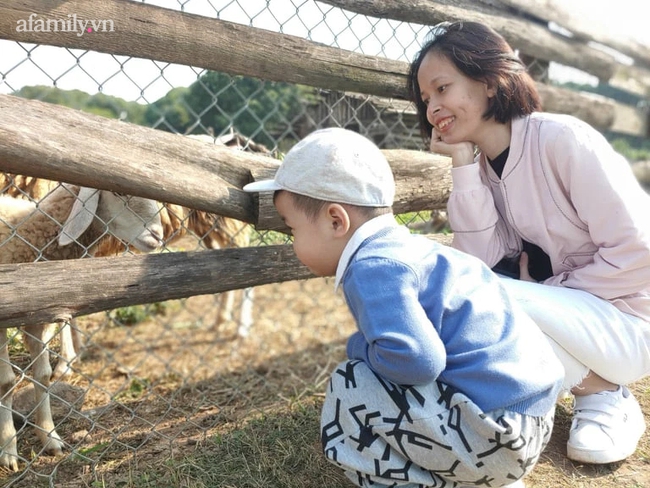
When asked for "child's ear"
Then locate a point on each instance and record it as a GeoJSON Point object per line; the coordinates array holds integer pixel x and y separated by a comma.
{"type": "Point", "coordinates": [339, 219]}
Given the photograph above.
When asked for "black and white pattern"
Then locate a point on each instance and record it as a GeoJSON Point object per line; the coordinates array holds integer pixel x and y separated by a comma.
{"type": "Point", "coordinates": [386, 435]}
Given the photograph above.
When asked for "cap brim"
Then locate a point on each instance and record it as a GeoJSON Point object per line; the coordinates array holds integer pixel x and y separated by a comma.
{"type": "Point", "coordinates": [263, 185]}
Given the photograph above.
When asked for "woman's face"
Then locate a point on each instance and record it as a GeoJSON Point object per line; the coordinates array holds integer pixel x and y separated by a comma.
{"type": "Point", "coordinates": [455, 103]}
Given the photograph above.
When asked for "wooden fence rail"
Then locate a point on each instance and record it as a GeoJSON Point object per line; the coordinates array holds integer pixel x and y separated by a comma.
{"type": "Point", "coordinates": [151, 32]}
{"type": "Point", "coordinates": [43, 292]}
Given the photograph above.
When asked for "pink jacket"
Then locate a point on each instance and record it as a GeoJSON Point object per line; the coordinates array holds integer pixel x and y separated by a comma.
{"type": "Point", "coordinates": [565, 189]}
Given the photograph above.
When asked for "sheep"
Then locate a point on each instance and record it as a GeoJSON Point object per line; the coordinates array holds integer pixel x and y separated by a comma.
{"type": "Point", "coordinates": [68, 223]}
{"type": "Point", "coordinates": [437, 223]}
{"type": "Point", "coordinates": [26, 187]}
{"type": "Point", "coordinates": [215, 232]}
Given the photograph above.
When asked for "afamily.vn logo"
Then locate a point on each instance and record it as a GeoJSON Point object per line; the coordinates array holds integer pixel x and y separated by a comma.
{"type": "Point", "coordinates": [71, 24]}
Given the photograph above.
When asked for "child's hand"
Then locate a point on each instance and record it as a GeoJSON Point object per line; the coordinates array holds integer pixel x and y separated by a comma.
{"type": "Point", "coordinates": [462, 153]}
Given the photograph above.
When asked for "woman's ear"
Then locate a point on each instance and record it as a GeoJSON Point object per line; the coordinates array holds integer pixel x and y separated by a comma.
{"type": "Point", "coordinates": [339, 219]}
{"type": "Point", "coordinates": [491, 90]}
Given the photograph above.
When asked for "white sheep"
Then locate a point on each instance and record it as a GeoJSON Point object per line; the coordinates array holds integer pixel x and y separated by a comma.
{"type": "Point", "coordinates": [214, 231]}
{"type": "Point", "coordinates": [70, 222]}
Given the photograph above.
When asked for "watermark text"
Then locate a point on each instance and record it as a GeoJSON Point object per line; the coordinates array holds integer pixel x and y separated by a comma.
{"type": "Point", "coordinates": [72, 24]}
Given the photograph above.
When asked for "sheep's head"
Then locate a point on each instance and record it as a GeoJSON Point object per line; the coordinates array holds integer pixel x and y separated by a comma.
{"type": "Point", "coordinates": [134, 220]}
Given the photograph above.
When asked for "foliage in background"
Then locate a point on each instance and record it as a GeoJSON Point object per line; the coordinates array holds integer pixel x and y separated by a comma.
{"type": "Point", "coordinates": [633, 148]}
{"type": "Point", "coordinates": [171, 112]}
{"type": "Point", "coordinates": [262, 110]}
{"type": "Point", "coordinates": [99, 104]}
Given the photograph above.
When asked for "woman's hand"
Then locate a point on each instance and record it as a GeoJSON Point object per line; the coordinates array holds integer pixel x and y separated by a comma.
{"type": "Point", "coordinates": [462, 153]}
{"type": "Point", "coordinates": [524, 275]}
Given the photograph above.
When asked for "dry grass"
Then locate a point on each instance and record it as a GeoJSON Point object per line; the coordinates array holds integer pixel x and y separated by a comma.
{"type": "Point", "coordinates": [176, 402]}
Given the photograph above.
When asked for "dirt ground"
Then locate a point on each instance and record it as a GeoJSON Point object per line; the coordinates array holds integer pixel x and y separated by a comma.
{"type": "Point", "coordinates": [156, 390]}
{"type": "Point", "coordinates": [168, 382]}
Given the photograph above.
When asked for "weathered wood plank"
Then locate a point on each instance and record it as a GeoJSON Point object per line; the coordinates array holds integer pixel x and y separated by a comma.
{"type": "Point", "coordinates": [582, 27]}
{"type": "Point", "coordinates": [151, 32]}
{"type": "Point", "coordinates": [59, 143]}
{"type": "Point", "coordinates": [530, 38]}
{"type": "Point", "coordinates": [33, 293]}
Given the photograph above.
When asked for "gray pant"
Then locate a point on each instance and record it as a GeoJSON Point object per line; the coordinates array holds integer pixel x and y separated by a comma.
{"type": "Point", "coordinates": [382, 434]}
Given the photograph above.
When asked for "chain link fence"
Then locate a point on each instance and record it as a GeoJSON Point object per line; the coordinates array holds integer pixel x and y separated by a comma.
{"type": "Point", "coordinates": [159, 378]}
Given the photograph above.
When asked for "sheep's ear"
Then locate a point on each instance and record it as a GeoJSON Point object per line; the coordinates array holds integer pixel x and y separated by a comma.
{"type": "Point", "coordinates": [81, 216]}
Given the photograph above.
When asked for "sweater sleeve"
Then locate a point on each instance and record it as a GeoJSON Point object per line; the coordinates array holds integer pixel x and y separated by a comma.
{"type": "Point", "coordinates": [614, 207]}
{"type": "Point", "coordinates": [395, 337]}
{"type": "Point", "coordinates": [477, 226]}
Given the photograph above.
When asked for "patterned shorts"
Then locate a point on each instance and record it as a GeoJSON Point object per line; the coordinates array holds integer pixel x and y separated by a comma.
{"type": "Point", "coordinates": [383, 434]}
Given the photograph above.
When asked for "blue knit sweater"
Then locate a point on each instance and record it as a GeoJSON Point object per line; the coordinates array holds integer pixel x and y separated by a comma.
{"type": "Point", "coordinates": [428, 312]}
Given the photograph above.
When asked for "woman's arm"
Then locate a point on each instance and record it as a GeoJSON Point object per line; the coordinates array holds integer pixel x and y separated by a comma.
{"type": "Point", "coordinates": [477, 226]}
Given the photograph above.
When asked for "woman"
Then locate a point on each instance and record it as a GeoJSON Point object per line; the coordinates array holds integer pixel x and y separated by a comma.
{"type": "Point", "coordinates": [547, 192]}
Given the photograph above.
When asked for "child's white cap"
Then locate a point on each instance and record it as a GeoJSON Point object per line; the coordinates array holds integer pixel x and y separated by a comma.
{"type": "Point", "coordinates": [334, 165]}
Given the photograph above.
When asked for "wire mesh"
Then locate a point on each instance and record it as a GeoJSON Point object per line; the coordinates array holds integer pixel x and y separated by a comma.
{"type": "Point", "coordinates": [156, 379]}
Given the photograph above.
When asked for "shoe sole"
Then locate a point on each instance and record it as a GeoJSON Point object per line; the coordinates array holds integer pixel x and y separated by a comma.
{"type": "Point", "coordinates": [598, 457]}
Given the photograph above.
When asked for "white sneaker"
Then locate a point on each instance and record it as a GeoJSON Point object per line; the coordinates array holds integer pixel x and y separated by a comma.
{"type": "Point", "coordinates": [606, 427]}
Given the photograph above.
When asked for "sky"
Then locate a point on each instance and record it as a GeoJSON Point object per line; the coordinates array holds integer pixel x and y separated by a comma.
{"type": "Point", "coordinates": [145, 81]}
{"type": "Point", "coordinates": [622, 18]}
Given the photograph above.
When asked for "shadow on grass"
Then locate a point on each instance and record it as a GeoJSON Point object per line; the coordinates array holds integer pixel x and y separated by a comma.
{"type": "Point", "coordinates": [256, 428]}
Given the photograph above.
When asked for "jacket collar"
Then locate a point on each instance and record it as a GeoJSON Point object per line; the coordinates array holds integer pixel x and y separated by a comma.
{"type": "Point", "coordinates": [367, 230]}
{"type": "Point", "coordinates": [519, 128]}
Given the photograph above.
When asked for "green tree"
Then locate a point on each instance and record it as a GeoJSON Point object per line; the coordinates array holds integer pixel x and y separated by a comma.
{"type": "Point", "coordinates": [258, 109]}
{"type": "Point", "coordinates": [171, 112]}
{"type": "Point", "coordinates": [98, 104]}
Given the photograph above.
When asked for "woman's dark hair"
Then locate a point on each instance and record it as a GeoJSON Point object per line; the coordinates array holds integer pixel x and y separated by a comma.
{"type": "Point", "coordinates": [480, 53]}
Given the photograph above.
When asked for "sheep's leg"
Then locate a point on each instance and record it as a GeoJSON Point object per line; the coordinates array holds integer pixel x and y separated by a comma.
{"type": "Point", "coordinates": [69, 347]}
{"type": "Point", "coordinates": [77, 338]}
{"type": "Point", "coordinates": [246, 317]}
{"type": "Point", "coordinates": [42, 372]}
{"type": "Point", "coordinates": [226, 302]}
{"type": "Point", "coordinates": [8, 440]}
